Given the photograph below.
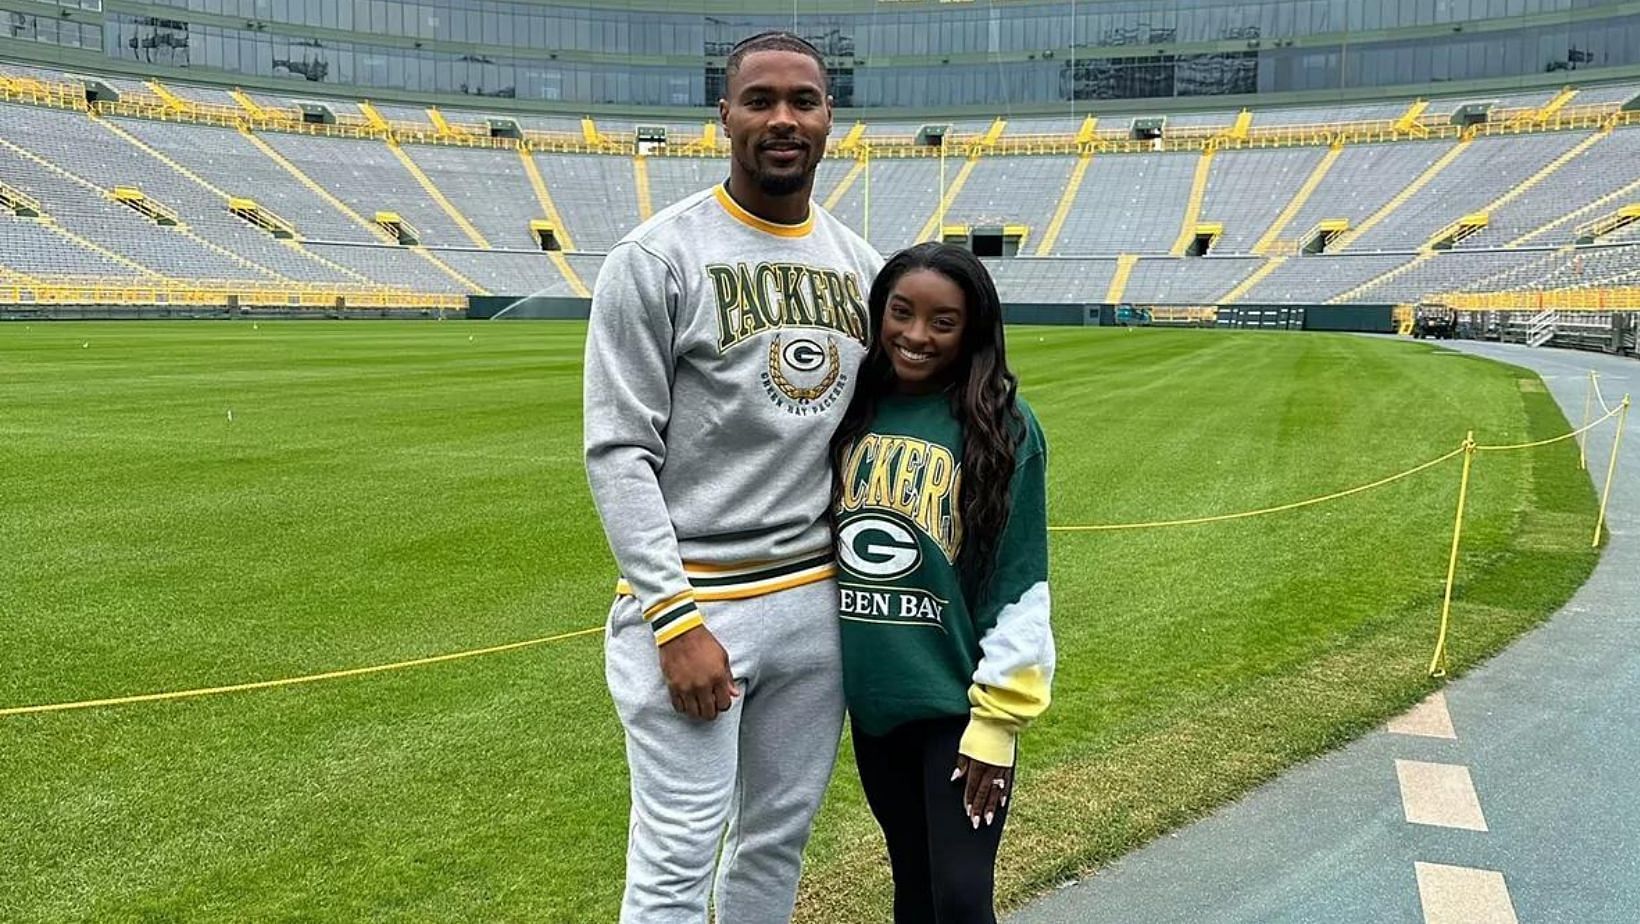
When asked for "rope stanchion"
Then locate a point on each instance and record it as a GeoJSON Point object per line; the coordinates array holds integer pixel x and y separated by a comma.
{"type": "Point", "coordinates": [291, 681]}
{"type": "Point", "coordinates": [1438, 663]}
{"type": "Point", "coordinates": [1611, 469]}
{"type": "Point", "coordinates": [1582, 438]}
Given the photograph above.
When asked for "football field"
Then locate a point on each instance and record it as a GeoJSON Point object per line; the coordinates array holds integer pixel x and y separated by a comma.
{"type": "Point", "coordinates": [190, 505]}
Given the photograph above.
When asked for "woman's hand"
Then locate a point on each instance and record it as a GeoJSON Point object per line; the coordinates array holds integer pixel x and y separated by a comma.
{"type": "Point", "coordinates": [986, 789]}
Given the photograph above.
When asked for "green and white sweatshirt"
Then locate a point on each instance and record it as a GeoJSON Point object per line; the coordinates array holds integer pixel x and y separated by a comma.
{"type": "Point", "coordinates": [720, 356]}
{"type": "Point", "coordinates": [914, 645]}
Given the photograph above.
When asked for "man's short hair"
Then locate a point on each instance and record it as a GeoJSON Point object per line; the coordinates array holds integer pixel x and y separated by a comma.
{"type": "Point", "coordinates": [775, 40]}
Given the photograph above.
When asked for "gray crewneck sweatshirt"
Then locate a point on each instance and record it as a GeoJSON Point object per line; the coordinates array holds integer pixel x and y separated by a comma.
{"type": "Point", "coordinates": [720, 356]}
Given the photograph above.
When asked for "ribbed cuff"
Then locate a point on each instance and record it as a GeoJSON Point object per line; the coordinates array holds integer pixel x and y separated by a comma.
{"type": "Point", "coordinates": [988, 741]}
{"type": "Point", "coordinates": [673, 616]}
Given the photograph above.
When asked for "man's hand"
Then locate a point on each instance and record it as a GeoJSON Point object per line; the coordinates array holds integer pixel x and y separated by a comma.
{"type": "Point", "coordinates": [696, 669]}
{"type": "Point", "coordinates": [986, 790]}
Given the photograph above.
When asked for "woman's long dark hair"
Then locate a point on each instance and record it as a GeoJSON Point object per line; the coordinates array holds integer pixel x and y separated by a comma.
{"type": "Point", "coordinates": [982, 392]}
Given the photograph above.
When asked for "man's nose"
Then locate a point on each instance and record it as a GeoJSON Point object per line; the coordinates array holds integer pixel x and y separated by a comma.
{"type": "Point", "coordinates": [783, 116]}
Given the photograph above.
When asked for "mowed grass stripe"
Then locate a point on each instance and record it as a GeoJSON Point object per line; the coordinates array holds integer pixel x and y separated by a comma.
{"type": "Point", "coordinates": [391, 491]}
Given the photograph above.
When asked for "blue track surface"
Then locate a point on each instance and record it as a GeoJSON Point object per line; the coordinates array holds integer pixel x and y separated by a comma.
{"type": "Point", "coordinates": [1550, 732]}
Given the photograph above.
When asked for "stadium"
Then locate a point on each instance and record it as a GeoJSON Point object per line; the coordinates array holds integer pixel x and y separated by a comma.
{"type": "Point", "coordinates": [299, 611]}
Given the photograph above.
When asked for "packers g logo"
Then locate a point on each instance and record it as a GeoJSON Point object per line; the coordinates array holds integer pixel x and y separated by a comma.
{"type": "Point", "coordinates": [878, 547]}
{"type": "Point", "coordinates": [803, 355]}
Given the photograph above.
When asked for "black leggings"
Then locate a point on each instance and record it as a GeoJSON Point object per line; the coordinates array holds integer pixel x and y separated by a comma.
{"type": "Point", "coordinates": [944, 870]}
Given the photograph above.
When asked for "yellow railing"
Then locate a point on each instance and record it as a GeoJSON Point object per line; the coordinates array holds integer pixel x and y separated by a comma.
{"type": "Point", "coordinates": [1594, 298]}
{"type": "Point", "coordinates": [32, 92]}
{"type": "Point", "coordinates": [1182, 138]}
{"type": "Point", "coordinates": [206, 293]}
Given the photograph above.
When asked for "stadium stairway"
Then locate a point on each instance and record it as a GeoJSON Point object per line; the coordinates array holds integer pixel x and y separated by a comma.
{"type": "Point", "coordinates": [543, 196]}
{"type": "Point", "coordinates": [1193, 206]}
{"type": "Point", "coordinates": [1118, 282]}
{"type": "Point", "coordinates": [1273, 233]}
{"type": "Point", "coordinates": [931, 229]}
{"type": "Point", "coordinates": [371, 228]}
{"type": "Point", "coordinates": [640, 179]}
{"type": "Point", "coordinates": [1269, 266]}
{"type": "Point", "coordinates": [1063, 209]}
{"type": "Point", "coordinates": [437, 195]}
{"type": "Point", "coordinates": [847, 182]}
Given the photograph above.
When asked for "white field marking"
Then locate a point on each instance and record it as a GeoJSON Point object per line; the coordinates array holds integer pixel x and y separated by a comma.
{"type": "Point", "coordinates": [1439, 794]}
{"type": "Point", "coordinates": [1428, 719]}
{"type": "Point", "coordinates": [1460, 895]}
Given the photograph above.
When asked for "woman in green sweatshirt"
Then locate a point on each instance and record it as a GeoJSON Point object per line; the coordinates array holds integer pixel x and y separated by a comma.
{"type": "Point", "coordinates": [939, 504]}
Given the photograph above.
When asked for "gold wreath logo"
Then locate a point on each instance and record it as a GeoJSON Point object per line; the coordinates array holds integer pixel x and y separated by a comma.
{"type": "Point", "coordinates": [834, 369]}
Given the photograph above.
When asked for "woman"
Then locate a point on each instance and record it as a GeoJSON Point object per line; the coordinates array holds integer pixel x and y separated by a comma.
{"type": "Point", "coordinates": [940, 510]}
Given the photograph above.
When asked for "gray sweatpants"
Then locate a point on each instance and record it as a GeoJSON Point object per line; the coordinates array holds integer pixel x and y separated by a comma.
{"type": "Point", "coordinates": [750, 781]}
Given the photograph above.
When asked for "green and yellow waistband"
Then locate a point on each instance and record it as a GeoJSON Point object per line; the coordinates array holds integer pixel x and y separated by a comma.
{"type": "Point", "coordinates": [708, 583]}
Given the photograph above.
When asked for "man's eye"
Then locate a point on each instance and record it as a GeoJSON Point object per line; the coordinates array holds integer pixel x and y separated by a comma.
{"type": "Point", "coordinates": [756, 103]}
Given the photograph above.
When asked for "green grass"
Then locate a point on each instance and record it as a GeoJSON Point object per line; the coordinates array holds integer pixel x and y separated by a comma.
{"type": "Point", "coordinates": [390, 491]}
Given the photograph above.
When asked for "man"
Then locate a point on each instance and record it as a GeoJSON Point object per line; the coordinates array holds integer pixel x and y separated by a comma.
{"type": "Point", "coordinates": [721, 353]}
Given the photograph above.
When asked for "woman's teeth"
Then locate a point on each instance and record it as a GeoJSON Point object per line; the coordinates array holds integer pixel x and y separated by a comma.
{"type": "Point", "coordinates": [911, 357]}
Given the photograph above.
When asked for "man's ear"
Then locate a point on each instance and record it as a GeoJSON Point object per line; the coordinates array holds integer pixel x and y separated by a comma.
{"type": "Point", "coordinates": [723, 114]}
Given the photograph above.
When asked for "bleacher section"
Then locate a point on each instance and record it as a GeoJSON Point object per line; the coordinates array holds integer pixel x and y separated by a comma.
{"type": "Point", "coordinates": [1319, 279]}
{"type": "Point", "coordinates": [1246, 190]}
{"type": "Point", "coordinates": [1402, 180]}
{"type": "Point", "coordinates": [596, 195]}
{"type": "Point", "coordinates": [1486, 170]}
{"type": "Point", "coordinates": [1053, 279]}
{"type": "Point", "coordinates": [1186, 280]}
{"type": "Point", "coordinates": [1129, 204]}
{"type": "Point", "coordinates": [1362, 181]}
{"type": "Point", "coordinates": [488, 186]}
{"type": "Point", "coordinates": [1011, 191]}
{"type": "Point", "coordinates": [1533, 218]}
{"type": "Point", "coordinates": [369, 179]}
{"type": "Point", "coordinates": [33, 143]}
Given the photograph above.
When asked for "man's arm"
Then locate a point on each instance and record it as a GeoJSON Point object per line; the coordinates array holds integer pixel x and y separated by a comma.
{"type": "Point", "coordinates": [627, 402]}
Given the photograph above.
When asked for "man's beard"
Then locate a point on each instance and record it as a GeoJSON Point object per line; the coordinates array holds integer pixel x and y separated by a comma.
{"type": "Point", "coordinates": [776, 184]}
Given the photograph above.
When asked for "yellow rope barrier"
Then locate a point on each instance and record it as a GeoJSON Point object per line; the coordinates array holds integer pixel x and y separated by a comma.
{"type": "Point", "coordinates": [1553, 439]}
{"type": "Point", "coordinates": [291, 681]}
{"type": "Point", "coordinates": [1193, 521]}
{"type": "Point", "coordinates": [1437, 663]}
{"type": "Point", "coordinates": [1594, 379]}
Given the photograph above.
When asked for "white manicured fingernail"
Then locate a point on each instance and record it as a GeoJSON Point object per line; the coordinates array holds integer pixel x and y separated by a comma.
{"type": "Point", "coordinates": [976, 822]}
{"type": "Point", "coordinates": [988, 818]}
{"type": "Point", "coordinates": [956, 774]}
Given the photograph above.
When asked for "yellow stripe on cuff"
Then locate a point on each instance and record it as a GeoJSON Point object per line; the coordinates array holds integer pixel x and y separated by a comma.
{"type": "Point", "coordinates": [678, 628]}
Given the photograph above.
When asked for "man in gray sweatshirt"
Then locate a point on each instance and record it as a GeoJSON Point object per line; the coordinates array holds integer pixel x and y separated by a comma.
{"type": "Point", "coordinates": [721, 353]}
